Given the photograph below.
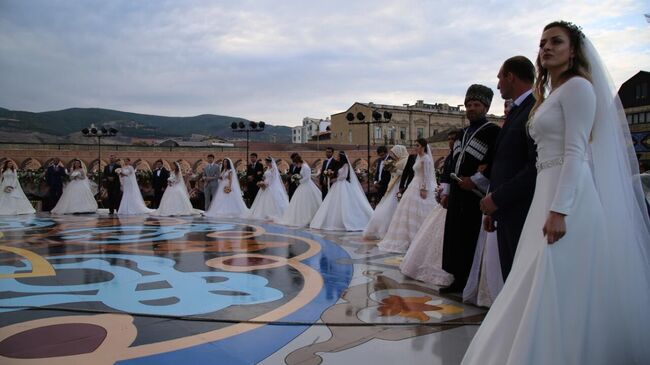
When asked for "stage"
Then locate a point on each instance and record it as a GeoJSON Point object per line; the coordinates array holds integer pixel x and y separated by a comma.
{"type": "Point", "coordinates": [100, 289]}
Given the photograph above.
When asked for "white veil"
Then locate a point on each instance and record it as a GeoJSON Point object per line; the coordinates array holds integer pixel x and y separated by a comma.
{"type": "Point", "coordinates": [234, 185]}
{"type": "Point", "coordinates": [353, 178]}
{"type": "Point", "coordinates": [91, 184]}
{"type": "Point", "coordinates": [616, 175]}
{"type": "Point", "coordinates": [276, 187]}
{"type": "Point", "coordinates": [180, 180]}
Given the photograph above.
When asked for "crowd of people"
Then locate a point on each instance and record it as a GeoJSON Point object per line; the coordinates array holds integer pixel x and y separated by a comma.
{"type": "Point", "coordinates": [544, 219]}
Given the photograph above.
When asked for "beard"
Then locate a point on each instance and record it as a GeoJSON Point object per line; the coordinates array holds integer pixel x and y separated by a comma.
{"type": "Point", "coordinates": [474, 116]}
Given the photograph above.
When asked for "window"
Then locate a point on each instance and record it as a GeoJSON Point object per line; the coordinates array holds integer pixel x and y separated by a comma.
{"type": "Point", "coordinates": [635, 119]}
{"type": "Point", "coordinates": [420, 132]}
{"type": "Point", "coordinates": [647, 117]}
{"type": "Point", "coordinates": [349, 136]}
{"type": "Point", "coordinates": [377, 134]}
{"type": "Point", "coordinates": [402, 133]}
{"type": "Point", "coordinates": [629, 119]}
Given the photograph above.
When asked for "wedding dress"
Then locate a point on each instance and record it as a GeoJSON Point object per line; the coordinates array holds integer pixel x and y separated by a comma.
{"type": "Point", "coordinates": [383, 214]}
{"type": "Point", "coordinates": [271, 201]}
{"type": "Point", "coordinates": [485, 278]}
{"type": "Point", "coordinates": [585, 298]}
{"type": "Point", "coordinates": [176, 200]}
{"type": "Point", "coordinates": [228, 205]}
{"type": "Point", "coordinates": [12, 198]}
{"type": "Point", "coordinates": [412, 210]}
{"type": "Point", "coordinates": [423, 260]}
{"type": "Point", "coordinates": [345, 207]}
{"type": "Point", "coordinates": [77, 196]}
{"type": "Point", "coordinates": [305, 202]}
{"type": "Point", "coordinates": [132, 202]}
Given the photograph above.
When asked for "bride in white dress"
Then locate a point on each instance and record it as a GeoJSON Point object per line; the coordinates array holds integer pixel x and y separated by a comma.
{"type": "Point", "coordinates": [77, 196]}
{"type": "Point", "coordinates": [383, 214]}
{"type": "Point", "coordinates": [417, 202]}
{"type": "Point", "coordinates": [12, 198]}
{"type": "Point", "coordinates": [272, 199]}
{"type": "Point", "coordinates": [345, 207]}
{"type": "Point", "coordinates": [176, 200]}
{"type": "Point", "coordinates": [132, 202]}
{"type": "Point", "coordinates": [579, 289]}
{"type": "Point", "coordinates": [306, 199]}
{"type": "Point", "coordinates": [228, 203]}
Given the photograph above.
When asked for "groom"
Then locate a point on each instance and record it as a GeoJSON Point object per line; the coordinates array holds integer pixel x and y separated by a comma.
{"type": "Point", "coordinates": [513, 172]}
{"type": "Point", "coordinates": [328, 164]}
{"type": "Point", "coordinates": [112, 184]}
{"type": "Point", "coordinates": [211, 173]}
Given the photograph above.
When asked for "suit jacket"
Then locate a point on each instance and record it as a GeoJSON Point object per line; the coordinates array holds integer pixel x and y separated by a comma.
{"type": "Point", "coordinates": [293, 170]}
{"type": "Point", "coordinates": [513, 172]}
{"type": "Point", "coordinates": [212, 171]}
{"type": "Point", "coordinates": [109, 171]}
{"type": "Point", "coordinates": [408, 173]}
{"type": "Point", "coordinates": [333, 165]}
{"type": "Point", "coordinates": [54, 177]}
{"type": "Point", "coordinates": [159, 183]}
{"type": "Point", "coordinates": [384, 178]}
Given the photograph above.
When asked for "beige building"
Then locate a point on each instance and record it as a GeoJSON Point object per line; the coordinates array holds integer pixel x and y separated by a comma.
{"type": "Point", "coordinates": [407, 123]}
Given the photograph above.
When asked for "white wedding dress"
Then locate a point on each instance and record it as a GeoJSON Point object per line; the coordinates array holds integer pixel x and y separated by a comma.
{"type": "Point", "coordinates": [423, 260]}
{"type": "Point", "coordinates": [485, 279]}
{"type": "Point", "coordinates": [77, 196]}
{"type": "Point", "coordinates": [270, 202]}
{"type": "Point", "coordinates": [412, 210]}
{"type": "Point", "coordinates": [585, 298]}
{"type": "Point", "coordinates": [13, 202]}
{"type": "Point", "coordinates": [132, 202]}
{"type": "Point", "coordinates": [345, 207]}
{"type": "Point", "coordinates": [305, 202]}
{"type": "Point", "coordinates": [175, 200]}
{"type": "Point", "coordinates": [228, 205]}
{"type": "Point", "coordinates": [384, 211]}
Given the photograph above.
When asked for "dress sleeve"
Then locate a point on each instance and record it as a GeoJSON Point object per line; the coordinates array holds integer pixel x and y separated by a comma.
{"type": "Point", "coordinates": [343, 173]}
{"type": "Point", "coordinates": [427, 169]}
{"type": "Point", "coordinates": [578, 103]}
{"type": "Point", "coordinates": [269, 176]}
{"type": "Point", "coordinates": [305, 172]}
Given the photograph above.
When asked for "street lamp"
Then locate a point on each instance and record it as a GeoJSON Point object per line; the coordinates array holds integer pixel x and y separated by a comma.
{"type": "Point", "coordinates": [251, 127]}
{"type": "Point", "coordinates": [376, 119]}
{"type": "Point", "coordinates": [100, 133]}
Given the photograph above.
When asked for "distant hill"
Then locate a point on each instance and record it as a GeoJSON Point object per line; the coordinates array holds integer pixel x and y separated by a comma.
{"type": "Point", "coordinates": [70, 121]}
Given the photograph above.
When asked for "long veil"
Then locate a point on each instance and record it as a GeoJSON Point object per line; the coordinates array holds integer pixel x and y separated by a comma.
{"type": "Point", "coordinates": [234, 185]}
{"type": "Point", "coordinates": [277, 189]}
{"type": "Point", "coordinates": [180, 181]}
{"type": "Point", "coordinates": [91, 184]}
{"type": "Point", "coordinates": [616, 176]}
{"type": "Point", "coordinates": [354, 180]}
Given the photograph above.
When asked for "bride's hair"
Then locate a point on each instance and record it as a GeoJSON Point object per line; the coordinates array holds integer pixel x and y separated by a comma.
{"type": "Point", "coordinates": [343, 158]}
{"type": "Point", "coordinates": [423, 142]}
{"type": "Point", "coordinates": [226, 164]}
{"type": "Point", "coordinates": [578, 66]}
{"type": "Point", "coordinates": [176, 167]}
{"type": "Point", "coordinates": [74, 164]}
{"type": "Point", "coordinates": [5, 166]}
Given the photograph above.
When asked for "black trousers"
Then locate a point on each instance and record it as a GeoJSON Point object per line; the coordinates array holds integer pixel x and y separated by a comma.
{"type": "Point", "coordinates": [509, 229]}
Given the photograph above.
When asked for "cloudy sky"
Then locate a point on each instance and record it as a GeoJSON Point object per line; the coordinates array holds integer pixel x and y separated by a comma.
{"type": "Point", "coordinates": [280, 61]}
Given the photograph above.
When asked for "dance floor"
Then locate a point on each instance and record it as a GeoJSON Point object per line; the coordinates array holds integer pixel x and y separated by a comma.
{"type": "Point", "coordinates": [98, 289]}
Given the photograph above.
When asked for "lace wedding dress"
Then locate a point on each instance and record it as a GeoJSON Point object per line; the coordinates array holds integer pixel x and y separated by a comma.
{"type": "Point", "coordinates": [12, 198]}
{"type": "Point", "coordinates": [228, 205]}
{"type": "Point", "coordinates": [305, 202]}
{"type": "Point", "coordinates": [132, 202]}
{"type": "Point", "coordinates": [271, 201]}
{"type": "Point", "coordinates": [77, 196]}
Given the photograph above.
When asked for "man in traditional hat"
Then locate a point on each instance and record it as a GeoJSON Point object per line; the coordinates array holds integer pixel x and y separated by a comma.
{"type": "Point", "coordinates": [474, 149]}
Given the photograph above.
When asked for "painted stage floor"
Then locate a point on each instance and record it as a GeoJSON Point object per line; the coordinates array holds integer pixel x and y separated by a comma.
{"type": "Point", "coordinates": [97, 289]}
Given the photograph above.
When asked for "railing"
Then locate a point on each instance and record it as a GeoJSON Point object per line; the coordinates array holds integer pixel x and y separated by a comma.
{"type": "Point", "coordinates": [112, 147]}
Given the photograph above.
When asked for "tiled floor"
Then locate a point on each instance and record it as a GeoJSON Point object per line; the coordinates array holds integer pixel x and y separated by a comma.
{"type": "Point", "coordinates": [139, 290]}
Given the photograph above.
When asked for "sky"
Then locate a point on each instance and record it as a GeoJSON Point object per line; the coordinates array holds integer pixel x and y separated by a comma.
{"type": "Point", "coordinates": [279, 61]}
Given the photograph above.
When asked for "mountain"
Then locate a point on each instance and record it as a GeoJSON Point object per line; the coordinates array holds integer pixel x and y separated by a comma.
{"type": "Point", "coordinates": [70, 121]}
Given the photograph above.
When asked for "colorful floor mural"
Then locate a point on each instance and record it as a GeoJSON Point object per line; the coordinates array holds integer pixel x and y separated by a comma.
{"type": "Point", "coordinates": [140, 290]}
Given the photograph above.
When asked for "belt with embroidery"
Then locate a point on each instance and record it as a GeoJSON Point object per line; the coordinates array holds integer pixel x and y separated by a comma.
{"type": "Point", "coordinates": [549, 163]}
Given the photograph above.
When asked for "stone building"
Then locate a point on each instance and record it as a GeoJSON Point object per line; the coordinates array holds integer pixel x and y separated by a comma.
{"type": "Point", "coordinates": [407, 123]}
{"type": "Point", "coordinates": [636, 102]}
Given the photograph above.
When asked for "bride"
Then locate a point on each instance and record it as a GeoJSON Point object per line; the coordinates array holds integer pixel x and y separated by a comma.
{"type": "Point", "coordinates": [416, 203]}
{"type": "Point", "coordinates": [228, 203]}
{"type": "Point", "coordinates": [77, 196]}
{"type": "Point", "coordinates": [132, 202]}
{"type": "Point", "coordinates": [579, 288]}
{"type": "Point", "coordinates": [345, 207]}
{"type": "Point", "coordinates": [12, 198]}
{"type": "Point", "coordinates": [384, 211]}
{"type": "Point", "coordinates": [272, 199]}
{"type": "Point", "coordinates": [306, 199]}
{"type": "Point", "coordinates": [175, 200]}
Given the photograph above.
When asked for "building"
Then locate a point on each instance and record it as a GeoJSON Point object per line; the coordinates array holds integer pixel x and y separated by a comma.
{"type": "Point", "coordinates": [407, 123]}
{"type": "Point", "coordinates": [636, 102]}
{"type": "Point", "coordinates": [310, 128]}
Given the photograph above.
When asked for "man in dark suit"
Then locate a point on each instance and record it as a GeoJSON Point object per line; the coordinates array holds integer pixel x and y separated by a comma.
{"type": "Point", "coordinates": [54, 178]}
{"type": "Point", "coordinates": [159, 183]}
{"type": "Point", "coordinates": [382, 176]}
{"type": "Point", "coordinates": [407, 175]}
{"type": "Point", "coordinates": [112, 184]}
{"type": "Point", "coordinates": [513, 172]}
{"type": "Point", "coordinates": [328, 164]}
{"type": "Point", "coordinates": [293, 170]}
{"type": "Point", "coordinates": [254, 174]}
{"type": "Point", "coordinates": [445, 179]}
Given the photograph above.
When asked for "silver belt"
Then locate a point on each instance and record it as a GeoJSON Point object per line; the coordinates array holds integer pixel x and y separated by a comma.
{"type": "Point", "coordinates": [549, 163]}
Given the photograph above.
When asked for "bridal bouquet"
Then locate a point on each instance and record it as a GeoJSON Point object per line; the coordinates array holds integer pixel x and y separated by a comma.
{"type": "Point", "coordinates": [295, 178]}
{"type": "Point", "coordinates": [261, 185]}
{"type": "Point", "coordinates": [118, 171]}
{"type": "Point", "coordinates": [389, 165]}
{"type": "Point", "coordinates": [227, 189]}
{"type": "Point", "coordinates": [9, 189]}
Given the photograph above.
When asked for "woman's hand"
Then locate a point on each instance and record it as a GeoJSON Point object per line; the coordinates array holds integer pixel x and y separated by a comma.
{"type": "Point", "coordinates": [555, 227]}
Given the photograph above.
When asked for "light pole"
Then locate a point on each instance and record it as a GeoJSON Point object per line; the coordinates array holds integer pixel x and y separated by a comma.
{"type": "Point", "coordinates": [241, 127]}
{"type": "Point", "coordinates": [376, 119]}
{"type": "Point", "coordinates": [93, 132]}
